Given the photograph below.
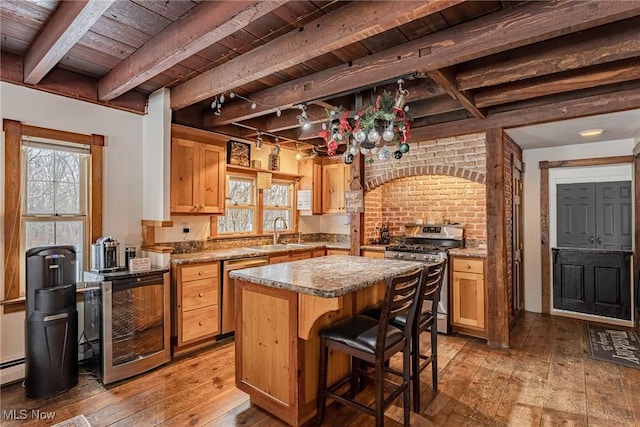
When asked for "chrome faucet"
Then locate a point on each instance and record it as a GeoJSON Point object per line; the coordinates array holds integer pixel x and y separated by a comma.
{"type": "Point", "coordinates": [276, 236]}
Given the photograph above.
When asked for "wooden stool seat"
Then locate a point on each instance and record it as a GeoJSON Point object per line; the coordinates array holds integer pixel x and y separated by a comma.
{"type": "Point", "coordinates": [374, 342]}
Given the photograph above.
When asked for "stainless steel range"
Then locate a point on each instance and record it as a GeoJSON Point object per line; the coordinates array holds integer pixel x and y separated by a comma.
{"type": "Point", "coordinates": [429, 244]}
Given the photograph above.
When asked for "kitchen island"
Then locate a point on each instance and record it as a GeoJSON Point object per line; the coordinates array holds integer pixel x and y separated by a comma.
{"type": "Point", "coordinates": [280, 309]}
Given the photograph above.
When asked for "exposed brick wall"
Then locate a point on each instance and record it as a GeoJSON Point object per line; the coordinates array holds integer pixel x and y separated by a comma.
{"type": "Point", "coordinates": [437, 179]}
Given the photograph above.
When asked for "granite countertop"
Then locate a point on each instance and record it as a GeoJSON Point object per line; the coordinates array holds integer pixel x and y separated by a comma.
{"type": "Point", "coordinates": [468, 252]}
{"type": "Point", "coordinates": [329, 276]}
{"type": "Point", "coordinates": [251, 252]}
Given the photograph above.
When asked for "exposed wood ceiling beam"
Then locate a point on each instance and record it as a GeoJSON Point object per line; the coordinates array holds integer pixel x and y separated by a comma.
{"type": "Point", "coordinates": [501, 31]}
{"type": "Point", "coordinates": [581, 107]}
{"type": "Point", "coordinates": [612, 42]}
{"type": "Point", "coordinates": [575, 80]}
{"type": "Point", "coordinates": [345, 26]}
{"type": "Point", "coordinates": [446, 80]}
{"type": "Point", "coordinates": [205, 24]}
{"type": "Point", "coordinates": [69, 23]}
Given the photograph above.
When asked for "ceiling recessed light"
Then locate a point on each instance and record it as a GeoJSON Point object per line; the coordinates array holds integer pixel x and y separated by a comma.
{"type": "Point", "coordinates": [591, 132]}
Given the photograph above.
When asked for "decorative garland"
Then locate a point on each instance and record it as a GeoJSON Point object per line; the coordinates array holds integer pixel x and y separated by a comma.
{"type": "Point", "coordinates": [363, 127]}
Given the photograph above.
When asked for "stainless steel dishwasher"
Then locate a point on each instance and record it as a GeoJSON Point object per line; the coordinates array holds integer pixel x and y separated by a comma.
{"type": "Point", "coordinates": [228, 310]}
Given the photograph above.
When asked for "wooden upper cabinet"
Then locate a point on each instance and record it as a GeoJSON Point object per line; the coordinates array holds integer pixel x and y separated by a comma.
{"type": "Point", "coordinates": [335, 177]}
{"type": "Point", "coordinates": [197, 177]}
{"type": "Point", "coordinates": [311, 179]}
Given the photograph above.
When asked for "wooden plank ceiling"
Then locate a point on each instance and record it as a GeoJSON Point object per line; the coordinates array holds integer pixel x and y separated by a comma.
{"type": "Point", "coordinates": [468, 65]}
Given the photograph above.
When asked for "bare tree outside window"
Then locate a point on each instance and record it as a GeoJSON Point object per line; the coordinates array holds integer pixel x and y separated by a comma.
{"type": "Point", "coordinates": [54, 212]}
{"type": "Point", "coordinates": [277, 203]}
{"type": "Point", "coordinates": [240, 211]}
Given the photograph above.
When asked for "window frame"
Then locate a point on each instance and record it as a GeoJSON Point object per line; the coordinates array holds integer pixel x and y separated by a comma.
{"type": "Point", "coordinates": [228, 204]}
{"type": "Point", "coordinates": [14, 132]}
{"type": "Point", "coordinates": [81, 216]}
{"type": "Point", "coordinates": [290, 207]}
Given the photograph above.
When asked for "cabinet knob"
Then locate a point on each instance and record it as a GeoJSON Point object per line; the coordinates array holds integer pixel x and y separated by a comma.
{"type": "Point", "coordinates": [201, 294]}
{"type": "Point", "coordinates": [200, 323]}
{"type": "Point", "coordinates": [468, 267]}
{"type": "Point", "coordinates": [200, 273]}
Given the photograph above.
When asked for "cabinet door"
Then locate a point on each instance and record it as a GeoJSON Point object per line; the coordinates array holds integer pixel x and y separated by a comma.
{"type": "Point", "coordinates": [211, 178]}
{"type": "Point", "coordinates": [330, 191]}
{"type": "Point", "coordinates": [468, 299]}
{"type": "Point", "coordinates": [184, 157]}
{"type": "Point", "coordinates": [311, 180]}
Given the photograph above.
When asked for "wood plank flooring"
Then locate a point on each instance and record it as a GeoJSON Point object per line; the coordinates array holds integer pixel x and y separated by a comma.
{"type": "Point", "coordinates": [545, 379]}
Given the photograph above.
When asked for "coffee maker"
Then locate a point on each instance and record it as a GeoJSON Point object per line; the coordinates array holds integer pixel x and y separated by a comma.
{"type": "Point", "coordinates": [105, 255]}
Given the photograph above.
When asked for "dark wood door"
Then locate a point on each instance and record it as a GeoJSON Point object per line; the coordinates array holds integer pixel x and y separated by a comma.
{"type": "Point", "coordinates": [576, 204]}
{"type": "Point", "coordinates": [593, 282]}
{"type": "Point", "coordinates": [613, 215]}
{"type": "Point", "coordinates": [594, 215]}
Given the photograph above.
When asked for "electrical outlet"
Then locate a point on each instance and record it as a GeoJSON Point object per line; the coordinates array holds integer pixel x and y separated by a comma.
{"type": "Point", "coordinates": [185, 229]}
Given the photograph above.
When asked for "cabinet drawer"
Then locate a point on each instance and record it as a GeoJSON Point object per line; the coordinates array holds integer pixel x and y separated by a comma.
{"type": "Point", "coordinates": [200, 271]}
{"type": "Point", "coordinates": [468, 265]}
{"type": "Point", "coordinates": [199, 293]}
{"type": "Point", "coordinates": [299, 255]}
{"type": "Point", "coordinates": [199, 323]}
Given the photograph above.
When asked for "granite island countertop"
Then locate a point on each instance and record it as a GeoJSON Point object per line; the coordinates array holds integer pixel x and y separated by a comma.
{"type": "Point", "coordinates": [329, 276]}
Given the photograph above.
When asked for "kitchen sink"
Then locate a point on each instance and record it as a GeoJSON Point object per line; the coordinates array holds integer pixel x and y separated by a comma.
{"type": "Point", "coordinates": [278, 246]}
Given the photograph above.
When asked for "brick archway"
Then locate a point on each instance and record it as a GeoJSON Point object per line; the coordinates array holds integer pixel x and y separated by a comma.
{"type": "Point", "coordinates": [407, 171]}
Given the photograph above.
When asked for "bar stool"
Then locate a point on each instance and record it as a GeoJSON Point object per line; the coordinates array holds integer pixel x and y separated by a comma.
{"type": "Point", "coordinates": [425, 321]}
{"type": "Point", "coordinates": [368, 340]}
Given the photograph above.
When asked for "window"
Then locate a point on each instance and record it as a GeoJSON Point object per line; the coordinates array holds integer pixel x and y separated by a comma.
{"type": "Point", "coordinates": [55, 182]}
{"type": "Point", "coordinates": [240, 209]}
{"type": "Point", "coordinates": [277, 202]}
{"type": "Point", "coordinates": [17, 136]}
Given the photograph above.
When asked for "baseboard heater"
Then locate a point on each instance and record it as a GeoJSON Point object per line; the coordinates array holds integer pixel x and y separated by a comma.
{"type": "Point", "coordinates": [11, 371]}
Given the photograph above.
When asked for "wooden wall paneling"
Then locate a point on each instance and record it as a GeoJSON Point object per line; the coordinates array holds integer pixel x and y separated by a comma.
{"type": "Point", "coordinates": [12, 183]}
{"type": "Point", "coordinates": [356, 223]}
{"type": "Point", "coordinates": [545, 249]}
{"type": "Point", "coordinates": [636, 224]}
{"type": "Point", "coordinates": [497, 286]}
{"type": "Point", "coordinates": [97, 144]}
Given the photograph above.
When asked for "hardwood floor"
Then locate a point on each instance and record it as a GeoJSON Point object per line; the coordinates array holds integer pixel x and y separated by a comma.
{"type": "Point", "coordinates": [546, 378]}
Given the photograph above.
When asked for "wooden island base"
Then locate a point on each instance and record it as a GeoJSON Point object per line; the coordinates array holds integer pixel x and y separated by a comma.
{"type": "Point", "coordinates": [277, 345]}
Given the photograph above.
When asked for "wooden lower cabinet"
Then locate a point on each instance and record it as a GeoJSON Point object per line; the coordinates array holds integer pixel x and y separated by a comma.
{"type": "Point", "coordinates": [337, 251]}
{"type": "Point", "coordinates": [291, 256]}
{"type": "Point", "coordinates": [278, 348]}
{"type": "Point", "coordinates": [373, 254]}
{"type": "Point", "coordinates": [196, 309]}
{"type": "Point", "coordinates": [468, 293]}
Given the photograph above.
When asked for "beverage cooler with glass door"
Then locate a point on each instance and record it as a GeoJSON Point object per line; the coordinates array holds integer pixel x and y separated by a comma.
{"type": "Point", "coordinates": [127, 322]}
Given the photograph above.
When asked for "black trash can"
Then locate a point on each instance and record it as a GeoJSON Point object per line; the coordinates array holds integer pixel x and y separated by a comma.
{"type": "Point", "coordinates": [51, 323]}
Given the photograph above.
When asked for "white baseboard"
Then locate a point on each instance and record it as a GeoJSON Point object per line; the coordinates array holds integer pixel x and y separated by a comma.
{"type": "Point", "coordinates": [12, 374]}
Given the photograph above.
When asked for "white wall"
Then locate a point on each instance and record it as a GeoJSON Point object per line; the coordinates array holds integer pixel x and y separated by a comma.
{"type": "Point", "coordinates": [531, 202]}
{"type": "Point", "coordinates": [122, 180]}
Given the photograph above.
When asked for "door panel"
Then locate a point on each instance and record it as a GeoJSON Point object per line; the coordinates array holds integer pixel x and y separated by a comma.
{"type": "Point", "coordinates": [592, 282]}
{"type": "Point", "coordinates": [613, 215]}
{"type": "Point", "coordinates": [576, 215]}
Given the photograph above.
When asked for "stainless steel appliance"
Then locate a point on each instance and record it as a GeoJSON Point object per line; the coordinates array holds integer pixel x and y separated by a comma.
{"type": "Point", "coordinates": [127, 322]}
{"type": "Point", "coordinates": [105, 255]}
{"type": "Point", "coordinates": [228, 310]}
{"type": "Point", "coordinates": [429, 243]}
